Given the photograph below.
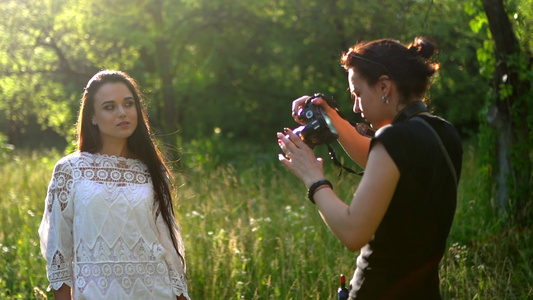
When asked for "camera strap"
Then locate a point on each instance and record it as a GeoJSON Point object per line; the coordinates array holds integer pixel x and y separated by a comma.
{"type": "Point", "coordinates": [338, 163]}
{"type": "Point", "coordinates": [442, 148]}
{"type": "Point", "coordinates": [409, 111]}
{"type": "Point", "coordinates": [359, 126]}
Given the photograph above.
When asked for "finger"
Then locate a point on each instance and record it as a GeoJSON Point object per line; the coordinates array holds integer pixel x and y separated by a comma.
{"type": "Point", "coordinates": [285, 140]}
{"type": "Point", "coordinates": [294, 138]}
{"type": "Point", "coordinates": [286, 162]}
{"type": "Point", "coordinates": [318, 101]}
{"type": "Point", "coordinates": [320, 162]}
{"type": "Point", "coordinates": [282, 158]}
{"type": "Point", "coordinates": [298, 103]}
{"type": "Point", "coordinates": [322, 103]}
{"type": "Point", "coordinates": [286, 145]}
{"type": "Point", "coordinates": [296, 106]}
{"type": "Point", "coordinates": [282, 145]}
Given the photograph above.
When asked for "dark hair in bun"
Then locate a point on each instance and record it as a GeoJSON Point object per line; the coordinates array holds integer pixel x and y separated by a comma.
{"type": "Point", "coordinates": [409, 66]}
{"type": "Point", "coordinates": [423, 48]}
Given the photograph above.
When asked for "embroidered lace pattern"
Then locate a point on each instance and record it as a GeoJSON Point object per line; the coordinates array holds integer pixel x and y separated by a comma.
{"type": "Point", "coordinates": [100, 234]}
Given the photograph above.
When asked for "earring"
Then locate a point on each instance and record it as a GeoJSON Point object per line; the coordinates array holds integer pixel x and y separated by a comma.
{"type": "Point", "coordinates": [385, 99]}
{"type": "Point", "coordinates": [94, 122]}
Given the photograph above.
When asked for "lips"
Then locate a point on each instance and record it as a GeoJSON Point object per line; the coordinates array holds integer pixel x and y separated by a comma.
{"type": "Point", "coordinates": [122, 124]}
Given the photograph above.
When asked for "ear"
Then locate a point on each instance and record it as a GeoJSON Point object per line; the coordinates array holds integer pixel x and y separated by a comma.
{"type": "Point", "coordinates": [384, 83]}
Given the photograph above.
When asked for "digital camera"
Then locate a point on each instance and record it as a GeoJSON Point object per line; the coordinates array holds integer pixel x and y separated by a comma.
{"type": "Point", "coordinates": [318, 129]}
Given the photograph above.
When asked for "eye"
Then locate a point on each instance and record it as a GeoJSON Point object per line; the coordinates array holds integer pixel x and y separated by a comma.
{"type": "Point", "coordinates": [109, 107]}
{"type": "Point", "coordinates": [129, 103]}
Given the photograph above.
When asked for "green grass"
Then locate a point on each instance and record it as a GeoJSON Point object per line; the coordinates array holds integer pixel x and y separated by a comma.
{"type": "Point", "coordinates": [250, 233]}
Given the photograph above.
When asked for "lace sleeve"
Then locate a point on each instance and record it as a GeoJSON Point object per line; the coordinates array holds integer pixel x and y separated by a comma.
{"type": "Point", "coordinates": [175, 260]}
{"type": "Point", "coordinates": [55, 230]}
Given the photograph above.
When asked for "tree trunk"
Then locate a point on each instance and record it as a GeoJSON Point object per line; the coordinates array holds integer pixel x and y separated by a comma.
{"type": "Point", "coordinates": [501, 123]}
{"type": "Point", "coordinates": [164, 66]}
{"type": "Point", "coordinates": [508, 115]}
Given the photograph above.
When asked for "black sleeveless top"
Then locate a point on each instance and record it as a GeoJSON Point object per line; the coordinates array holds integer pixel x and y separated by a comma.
{"type": "Point", "coordinates": [401, 260]}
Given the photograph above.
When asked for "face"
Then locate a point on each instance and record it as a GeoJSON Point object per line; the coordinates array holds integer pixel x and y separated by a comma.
{"type": "Point", "coordinates": [367, 99]}
{"type": "Point", "coordinates": [115, 112]}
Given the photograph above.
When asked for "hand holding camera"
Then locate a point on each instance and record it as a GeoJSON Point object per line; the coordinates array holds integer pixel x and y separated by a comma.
{"type": "Point", "coordinates": [318, 128]}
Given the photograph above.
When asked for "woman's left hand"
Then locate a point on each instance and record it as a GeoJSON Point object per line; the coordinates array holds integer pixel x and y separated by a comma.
{"type": "Point", "coordinates": [299, 158]}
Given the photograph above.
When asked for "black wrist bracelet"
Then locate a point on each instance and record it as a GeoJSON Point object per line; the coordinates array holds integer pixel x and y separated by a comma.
{"type": "Point", "coordinates": [314, 186]}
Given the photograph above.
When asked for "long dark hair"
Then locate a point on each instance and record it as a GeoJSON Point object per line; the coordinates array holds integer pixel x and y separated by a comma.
{"type": "Point", "coordinates": [410, 66]}
{"type": "Point", "coordinates": [141, 142]}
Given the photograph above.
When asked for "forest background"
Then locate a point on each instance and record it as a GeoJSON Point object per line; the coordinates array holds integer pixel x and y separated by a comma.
{"type": "Point", "coordinates": [219, 77]}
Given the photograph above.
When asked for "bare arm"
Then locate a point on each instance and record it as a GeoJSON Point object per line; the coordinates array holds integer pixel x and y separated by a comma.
{"type": "Point", "coordinates": [63, 293]}
{"type": "Point", "coordinates": [355, 225]}
{"type": "Point", "coordinates": [354, 144]}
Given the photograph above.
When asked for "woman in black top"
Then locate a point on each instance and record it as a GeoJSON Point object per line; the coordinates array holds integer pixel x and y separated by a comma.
{"type": "Point", "coordinates": [403, 208]}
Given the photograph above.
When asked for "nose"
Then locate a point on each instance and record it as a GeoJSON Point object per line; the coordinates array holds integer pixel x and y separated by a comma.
{"type": "Point", "coordinates": [357, 105]}
{"type": "Point", "coordinates": [121, 112]}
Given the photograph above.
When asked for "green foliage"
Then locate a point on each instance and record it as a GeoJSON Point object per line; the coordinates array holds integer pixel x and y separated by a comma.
{"type": "Point", "coordinates": [521, 150]}
{"type": "Point", "coordinates": [458, 90]}
{"type": "Point", "coordinates": [485, 56]}
{"type": "Point", "coordinates": [4, 146]}
{"type": "Point", "coordinates": [512, 94]}
{"type": "Point", "coordinates": [203, 65]}
{"type": "Point", "coordinates": [37, 51]}
{"type": "Point", "coordinates": [213, 152]}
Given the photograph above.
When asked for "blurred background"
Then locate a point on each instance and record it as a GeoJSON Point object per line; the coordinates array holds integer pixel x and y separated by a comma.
{"type": "Point", "coordinates": [224, 67]}
{"type": "Point", "coordinates": [218, 77]}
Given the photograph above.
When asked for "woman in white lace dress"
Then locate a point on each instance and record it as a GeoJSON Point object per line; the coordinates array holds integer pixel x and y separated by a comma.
{"type": "Point", "coordinates": [108, 230]}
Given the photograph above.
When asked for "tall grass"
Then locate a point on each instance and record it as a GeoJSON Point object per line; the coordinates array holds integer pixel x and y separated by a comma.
{"type": "Point", "coordinates": [250, 232]}
{"type": "Point", "coordinates": [23, 183]}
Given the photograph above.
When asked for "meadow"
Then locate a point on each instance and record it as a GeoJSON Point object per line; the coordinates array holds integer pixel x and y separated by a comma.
{"type": "Point", "coordinates": [250, 232]}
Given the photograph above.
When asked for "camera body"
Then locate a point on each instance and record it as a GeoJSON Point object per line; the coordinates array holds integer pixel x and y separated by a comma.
{"type": "Point", "coordinates": [318, 129]}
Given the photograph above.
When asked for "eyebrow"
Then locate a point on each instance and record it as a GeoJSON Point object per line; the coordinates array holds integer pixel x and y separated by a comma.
{"type": "Point", "coordinates": [113, 101]}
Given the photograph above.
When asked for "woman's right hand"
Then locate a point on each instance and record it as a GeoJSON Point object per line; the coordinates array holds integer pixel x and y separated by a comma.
{"type": "Point", "coordinates": [296, 106]}
{"type": "Point", "coordinates": [299, 103]}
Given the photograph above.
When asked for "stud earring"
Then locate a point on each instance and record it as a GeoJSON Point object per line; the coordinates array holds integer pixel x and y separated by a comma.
{"type": "Point", "coordinates": [385, 99]}
{"type": "Point", "coordinates": [94, 122]}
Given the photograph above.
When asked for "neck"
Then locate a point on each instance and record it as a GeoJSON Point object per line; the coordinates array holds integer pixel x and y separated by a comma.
{"type": "Point", "coordinates": [117, 148]}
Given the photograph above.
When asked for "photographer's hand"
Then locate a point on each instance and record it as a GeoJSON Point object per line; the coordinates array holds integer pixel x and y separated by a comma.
{"type": "Point", "coordinates": [296, 106]}
{"type": "Point", "coordinates": [299, 103]}
{"type": "Point", "coordinates": [299, 158]}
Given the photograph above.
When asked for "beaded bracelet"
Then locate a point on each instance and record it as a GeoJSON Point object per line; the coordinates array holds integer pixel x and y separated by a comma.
{"type": "Point", "coordinates": [314, 186]}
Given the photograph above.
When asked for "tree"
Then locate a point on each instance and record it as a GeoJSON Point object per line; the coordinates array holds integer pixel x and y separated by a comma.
{"type": "Point", "coordinates": [37, 66]}
{"type": "Point", "coordinates": [509, 111]}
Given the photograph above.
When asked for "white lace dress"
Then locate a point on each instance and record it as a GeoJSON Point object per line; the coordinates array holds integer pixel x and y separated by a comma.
{"type": "Point", "coordinates": [101, 233]}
